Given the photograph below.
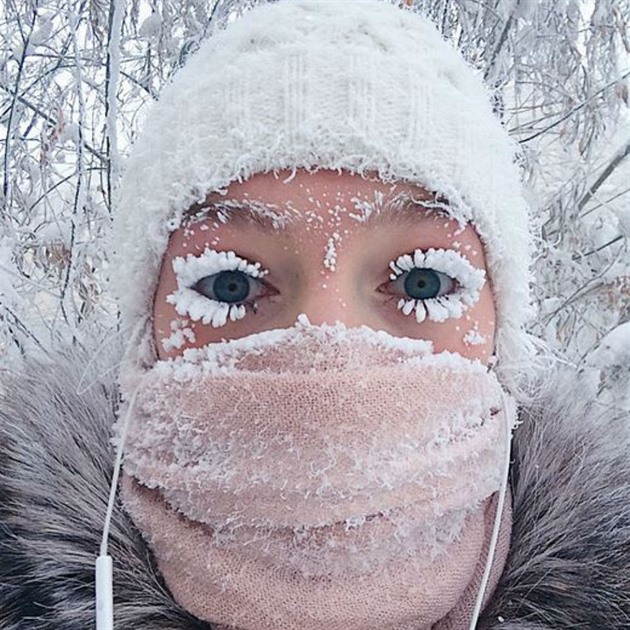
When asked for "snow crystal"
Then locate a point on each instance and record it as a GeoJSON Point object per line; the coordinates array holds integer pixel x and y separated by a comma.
{"type": "Point", "coordinates": [365, 209]}
{"type": "Point", "coordinates": [302, 320]}
{"type": "Point", "coordinates": [330, 256]}
{"type": "Point", "coordinates": [474, 338]}
{"type": "Point", "coordinates": [179, 335]}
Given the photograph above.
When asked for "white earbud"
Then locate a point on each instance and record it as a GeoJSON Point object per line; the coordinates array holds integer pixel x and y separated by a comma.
{"type": "Point", "coordinates": [104, 594]}
{"type": "Point", "coordinates": [104, 566]}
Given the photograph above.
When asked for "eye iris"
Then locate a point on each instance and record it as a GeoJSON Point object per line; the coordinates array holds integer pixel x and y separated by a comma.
{"type": "Point", "coordinates": [226, 286]}
{"type": "Point", "coordinates": [422, 284]}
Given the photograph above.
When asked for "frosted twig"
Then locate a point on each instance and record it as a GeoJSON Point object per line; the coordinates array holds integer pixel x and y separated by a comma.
{"type": "Point", "coordinates": [78, 196]}
{"type": "Point", "coordinates": [21, 325]}
{"type": "Point", "coordinates": [6, 190]}
{"type": "Point", "coordinates": [28, 281]}
{"type": "Point", "coordinates": [600, 248]}
{"type": "Point", "coordinates": [620, 156]}
{"type": "Point", "coordinates": [577, 108]}
{"type": "Point", "coordinates": [49, 119]}
{"type": "Point", "coordinates": [116, 11]}
{"type": "Point", "coordinates": [497, 50]}
{"type": "Point", "coordinates": [604, 203]}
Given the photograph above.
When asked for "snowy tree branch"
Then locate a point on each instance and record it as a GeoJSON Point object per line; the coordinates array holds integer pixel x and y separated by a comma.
{"type": "Point", "coordinates": [8, 141]}
{"type": "Point", "coordinates": [621, 155]}
{"type": "Point", "coordinates": [116, 14]}
{"type": "Point", "coordinates": [97, 154]}
{"type": "Point", "coordinates": [576, 109]}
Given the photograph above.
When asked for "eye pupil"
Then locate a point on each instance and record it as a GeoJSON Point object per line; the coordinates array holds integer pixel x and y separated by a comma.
{"type": "Point", "coordinates": [422, 284]}
{"type": "Point", "coordinates": [226, 286]}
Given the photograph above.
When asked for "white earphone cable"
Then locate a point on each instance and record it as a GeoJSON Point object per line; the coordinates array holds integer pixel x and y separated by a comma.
{"type": "Point", "coordinates": [104, 565]}
{"type": "Point", "coordinates": [507, 408]}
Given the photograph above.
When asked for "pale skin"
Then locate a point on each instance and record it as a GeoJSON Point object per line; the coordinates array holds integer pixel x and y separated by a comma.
{"type": "Point", "coordinates": [326, 260]}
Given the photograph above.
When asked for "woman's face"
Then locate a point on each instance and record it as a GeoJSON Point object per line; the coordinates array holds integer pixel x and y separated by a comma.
{"type": "Point", "coordinates": [332, 246]}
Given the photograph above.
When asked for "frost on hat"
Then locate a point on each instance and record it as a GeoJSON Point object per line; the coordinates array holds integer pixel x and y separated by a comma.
{"type": "Point", "coordinates": [360, 85]}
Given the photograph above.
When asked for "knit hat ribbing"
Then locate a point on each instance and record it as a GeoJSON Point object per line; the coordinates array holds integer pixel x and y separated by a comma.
{"type": "Point", "coordinates": [359, 85]}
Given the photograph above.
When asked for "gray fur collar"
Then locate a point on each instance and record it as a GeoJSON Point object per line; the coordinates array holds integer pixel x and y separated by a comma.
{"type": "Point", "coordinates": [569, 565]}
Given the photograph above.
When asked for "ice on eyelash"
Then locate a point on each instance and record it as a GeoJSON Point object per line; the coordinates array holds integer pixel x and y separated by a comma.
{"type": "Point", "coordinates": [191, 269]}
{"type": "Point", "coordinates": [470, 281]}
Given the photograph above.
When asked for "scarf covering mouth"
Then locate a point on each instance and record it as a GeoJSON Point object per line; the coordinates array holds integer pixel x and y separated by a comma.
{"type": "Point", "coordinates": [319, 477]}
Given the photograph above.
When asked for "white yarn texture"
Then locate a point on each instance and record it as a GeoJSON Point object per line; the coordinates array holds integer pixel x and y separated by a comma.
{"type": "Point", "coordinates": [360, 85]}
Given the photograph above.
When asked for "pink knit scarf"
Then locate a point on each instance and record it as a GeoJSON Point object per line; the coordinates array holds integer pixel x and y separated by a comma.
{"type": "Point", "coordinates": [320, 478]}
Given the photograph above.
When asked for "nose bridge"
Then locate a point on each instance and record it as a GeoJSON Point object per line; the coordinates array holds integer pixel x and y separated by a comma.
{"type": "Point", "coordinates": [331, 275]}
{"type": "Point", "coordinates": [332, 297]}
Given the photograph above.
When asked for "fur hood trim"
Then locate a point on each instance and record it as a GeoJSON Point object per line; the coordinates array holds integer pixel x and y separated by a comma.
{"type": "Point", "coordinates": [569, 563]}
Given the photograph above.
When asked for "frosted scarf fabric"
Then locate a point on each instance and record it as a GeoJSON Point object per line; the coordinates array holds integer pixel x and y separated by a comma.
{"type": "Point", "coordinates": [319, 477]}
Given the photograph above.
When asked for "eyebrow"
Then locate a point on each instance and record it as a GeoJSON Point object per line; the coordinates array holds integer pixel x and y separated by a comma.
{"type": "Point", "coordinates": [403, 209]}
{"type": "Point", "coordinates": [265, 216]}
{"type": "Point", "coordinates": [407, 209]}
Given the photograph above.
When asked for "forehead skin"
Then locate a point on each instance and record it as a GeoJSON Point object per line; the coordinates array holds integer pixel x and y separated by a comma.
{"type": "Point", "coordinates": [325, 258]}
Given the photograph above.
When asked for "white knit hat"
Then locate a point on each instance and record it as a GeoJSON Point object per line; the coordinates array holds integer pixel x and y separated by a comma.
{"type": "Point", "coordinates": [360, 85]}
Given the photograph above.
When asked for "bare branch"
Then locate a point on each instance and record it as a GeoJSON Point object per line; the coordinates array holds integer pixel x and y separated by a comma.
{"type": "Point", "coordinates": [7, 152]}
{"type": "Point", "coordinates": [116, 14]}
{"type": "Point", "coordinates": [49, 119]}
{"type": "Point", "coordinates": [600, 248]}
{"type": "Point", "coordinates": [576, 109]}
{"type": "Point", "coordinates": [621, 155]}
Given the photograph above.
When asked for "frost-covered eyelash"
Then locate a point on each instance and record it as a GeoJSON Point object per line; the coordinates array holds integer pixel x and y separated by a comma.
{"type": "Point", "coordinates": [191, 269]}
{"type": "Point", "coordinates": [470, 281]}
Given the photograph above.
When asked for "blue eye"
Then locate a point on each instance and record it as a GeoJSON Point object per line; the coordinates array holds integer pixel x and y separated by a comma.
{"type": "Point", "coordinates": [424, 284]}
{"type": "Point", "coordinates": [230, 287]}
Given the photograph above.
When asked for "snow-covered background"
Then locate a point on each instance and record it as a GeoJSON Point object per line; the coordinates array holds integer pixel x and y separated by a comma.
{"type": "Point", "coordinates": [76, 77]}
